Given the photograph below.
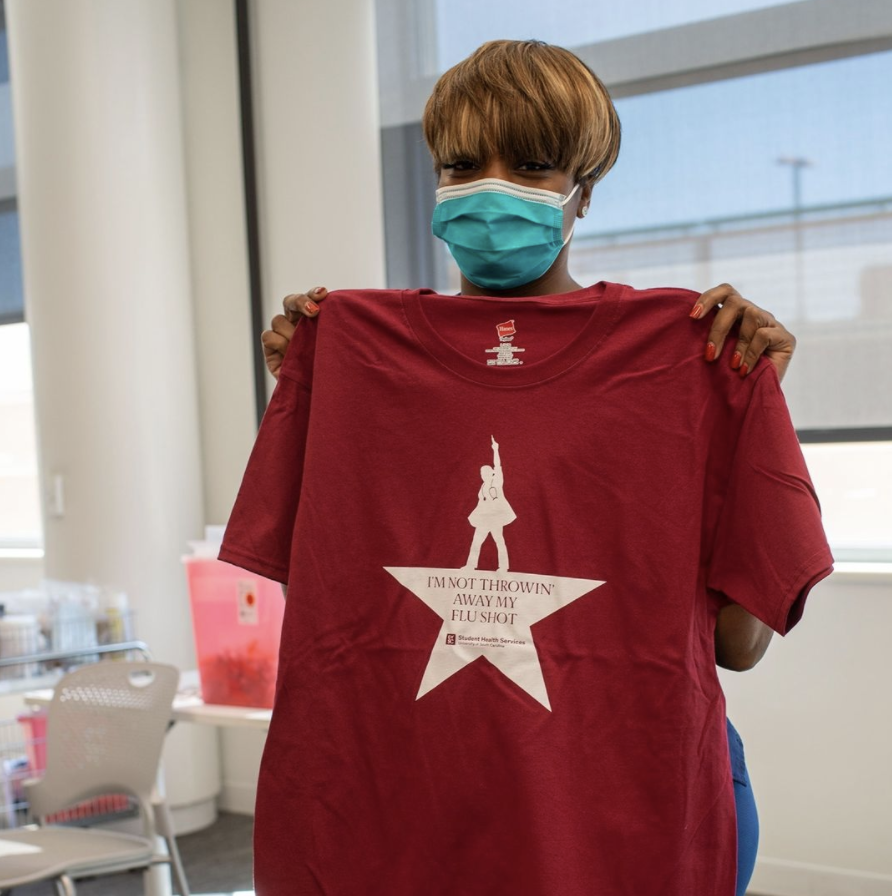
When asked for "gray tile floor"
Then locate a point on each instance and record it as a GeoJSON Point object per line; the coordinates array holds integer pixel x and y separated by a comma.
{"type": "Point", "coordinates": [217, 860]}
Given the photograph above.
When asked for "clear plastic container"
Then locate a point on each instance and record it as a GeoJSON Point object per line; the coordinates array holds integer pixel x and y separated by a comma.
{"type": "Point", "coordinates": [20, 636]}
{"type": "Point", "coordinates": [237, 621]}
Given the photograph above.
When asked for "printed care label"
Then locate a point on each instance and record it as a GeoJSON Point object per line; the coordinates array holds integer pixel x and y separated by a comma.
{"type": "Point", "coordinates": [505, 351]}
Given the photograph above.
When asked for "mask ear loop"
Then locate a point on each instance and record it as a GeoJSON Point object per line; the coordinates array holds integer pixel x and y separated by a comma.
{"type": "Point", "coordinates": [570, 195]}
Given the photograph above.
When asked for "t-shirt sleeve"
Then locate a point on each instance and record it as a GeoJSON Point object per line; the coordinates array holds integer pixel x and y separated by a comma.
{"type": "Point", "coordinates": [261, 526]}
{"type": "Point", "coordinates": [769, 547]}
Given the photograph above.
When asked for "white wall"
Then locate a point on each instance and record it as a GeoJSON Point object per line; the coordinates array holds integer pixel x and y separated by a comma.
{"type": "Point", "coordinates": [19, 572]}
{"type": "Point", "coordinates": [318, 158]}
{"type": "Point", "coordinates": [106, 264]}
{"type": "Point", "coordinates": [318, 143]}
{"type": "Point", "coordinates": [219, 262]}
{"type": "Point", "coordinates": [816, 720]}
{"type": "Point", "coordinates": [106, 267]}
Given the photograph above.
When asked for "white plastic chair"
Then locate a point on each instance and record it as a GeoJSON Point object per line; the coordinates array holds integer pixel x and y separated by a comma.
{"type": "Point", "coordinates": [105, 730]}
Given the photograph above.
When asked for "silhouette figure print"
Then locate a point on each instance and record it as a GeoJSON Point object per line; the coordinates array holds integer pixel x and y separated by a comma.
{"type": "Point", "coordinates": [492, 513]}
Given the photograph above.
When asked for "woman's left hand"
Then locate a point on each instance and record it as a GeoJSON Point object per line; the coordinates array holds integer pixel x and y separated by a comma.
{"type": "Point", "coordinates": [760, 332]}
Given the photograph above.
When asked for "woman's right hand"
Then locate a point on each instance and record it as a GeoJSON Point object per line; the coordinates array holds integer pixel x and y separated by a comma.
{"type": "Point", "coordinates": [275, 341]}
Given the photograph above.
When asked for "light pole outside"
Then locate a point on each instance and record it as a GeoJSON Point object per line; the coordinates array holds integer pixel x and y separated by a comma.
{"type": "Point", "coordinates": [796, 164]}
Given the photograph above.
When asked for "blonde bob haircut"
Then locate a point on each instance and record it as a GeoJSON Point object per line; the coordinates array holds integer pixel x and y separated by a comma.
{"type": "Point", "coordinates": [526, 101]}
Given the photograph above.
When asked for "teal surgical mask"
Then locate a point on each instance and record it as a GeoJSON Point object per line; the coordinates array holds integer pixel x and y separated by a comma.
{"type": "Point", "coordinates": [500, 234]}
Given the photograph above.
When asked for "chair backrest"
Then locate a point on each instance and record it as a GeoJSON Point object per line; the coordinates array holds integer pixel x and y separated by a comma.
{"type": "Point", "coordinates": [105, 730]}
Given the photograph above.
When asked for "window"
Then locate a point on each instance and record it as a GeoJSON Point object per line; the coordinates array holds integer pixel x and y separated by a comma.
{"type": "Point", "coordinates": [11, 299]}
{"type": "Point", "coordinates": [769, 171]}
{"type": "Point", "coordinates": [20, 523]}
{"type": "Point", "coordinates": [854, 482]}
{"type": "Point", "coordinates": [19, 503]}
{"type": "Point", "coordinates": [721, 201]}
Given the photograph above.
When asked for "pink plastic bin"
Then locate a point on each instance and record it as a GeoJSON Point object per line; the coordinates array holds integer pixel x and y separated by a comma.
{"type": "Point", "coordinates": [237, 621]}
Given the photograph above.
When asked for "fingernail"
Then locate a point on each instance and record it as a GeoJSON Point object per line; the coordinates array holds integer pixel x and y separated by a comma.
{"type": "Point", "coordinates": [744, 370]}
{"type": "Point", "coordinates": [736, 358]}
{"type": "Point", "coordinates": [312, 307]}
{"type": "Point", "coordinates": [710, 351]}
{"type": "Point", "coordinates": [696, 311]}
{"type": "Point", "coordinates": [318, 290]}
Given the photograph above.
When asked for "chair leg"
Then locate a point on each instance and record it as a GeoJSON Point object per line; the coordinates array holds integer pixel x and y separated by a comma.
{"type": "Point", "coordinates": [164, 823]}
{"type": "Point", "coordinates": [64, 886]}
{"type": "Point", "coordinates": [176, 865]}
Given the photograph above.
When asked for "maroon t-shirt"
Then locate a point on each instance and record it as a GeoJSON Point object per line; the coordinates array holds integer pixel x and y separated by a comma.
{"type": "Point", "coordinates": [507, 527]}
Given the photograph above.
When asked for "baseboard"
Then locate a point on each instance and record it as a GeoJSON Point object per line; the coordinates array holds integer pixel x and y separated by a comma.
{"type": "Point", "coordinates": [194, 817]}
{"type": "Point", "coordinates": [235, 797]}
{"type": "Point", "coordinates": [775, 877]}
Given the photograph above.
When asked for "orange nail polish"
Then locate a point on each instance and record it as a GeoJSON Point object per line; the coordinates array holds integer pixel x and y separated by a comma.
{"type": "Point", "coordinates": [744, 370]}
{"type": "Point", "coordinates": [710, 351]}
{"type": "Point", "coordinates": [736, 358]}
{"type": "Point", "coordinates": [312, 307]}
{"type": "Point", "coordinates": [696, 311]}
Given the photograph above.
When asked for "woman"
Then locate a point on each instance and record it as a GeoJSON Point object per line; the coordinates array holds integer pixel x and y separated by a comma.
{"type": "Point", "coordinates": [616, 780]}
{"type": "Point", "coordinates": [741, 639]}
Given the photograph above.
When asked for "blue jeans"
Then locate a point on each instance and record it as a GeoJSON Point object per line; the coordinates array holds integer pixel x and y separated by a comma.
{"type": "Point", "coordinates": [747, 817]}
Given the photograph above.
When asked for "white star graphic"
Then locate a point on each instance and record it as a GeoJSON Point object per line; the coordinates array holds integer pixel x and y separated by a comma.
{"type": "Point", "coordinates": [488, 615]}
